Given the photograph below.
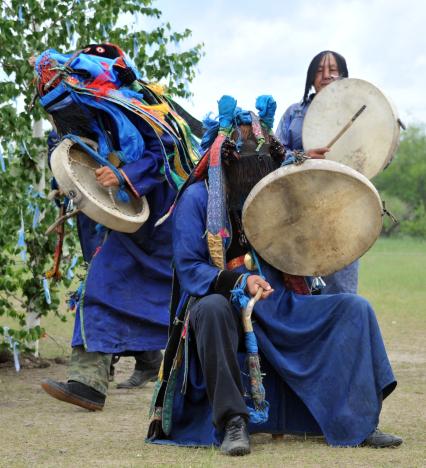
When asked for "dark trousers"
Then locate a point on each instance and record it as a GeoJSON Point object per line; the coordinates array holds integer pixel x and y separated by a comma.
{"type": "Point", "coordinates": [147, 360]}
{"type": "Point", "coordinates": [218, 331]}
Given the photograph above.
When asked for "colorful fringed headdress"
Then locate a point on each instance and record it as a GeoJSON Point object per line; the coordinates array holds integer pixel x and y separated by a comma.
{"type": "Point", "coordinates": [99, 80]}
{"type": "Point", "coordinates": [239, 146]}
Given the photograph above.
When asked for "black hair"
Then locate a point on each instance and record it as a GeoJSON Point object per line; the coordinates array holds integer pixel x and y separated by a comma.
{"type": "Point", "coordinates": [313, 67]}
{"type": "Point", "coordinates": [73, 119]}
{"type": "Point", "coordinates": [243, 174]}
{"type": "Point", "coordinates": [245, 168]}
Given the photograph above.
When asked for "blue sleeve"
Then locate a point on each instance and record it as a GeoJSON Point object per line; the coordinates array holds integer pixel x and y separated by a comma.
{"type": "Point", "coordinates": [283, 132]}
{"type": "Point", "coordinates": [146, 173]}
{"type": "Point", "coordinates": [191, 256]}
{"type": "Point", "coordinates": [283, 129]}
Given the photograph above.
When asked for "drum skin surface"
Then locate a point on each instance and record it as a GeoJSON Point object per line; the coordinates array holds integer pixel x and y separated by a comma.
{"type": "Point", "coordinates": [74, 171]}
{"type": "Point", "coordinates": [369, 145]}
{"type": "Point", "coordinates": [312, 219]}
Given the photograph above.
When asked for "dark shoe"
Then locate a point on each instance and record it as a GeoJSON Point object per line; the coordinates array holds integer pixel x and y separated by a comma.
{"type": "Point", "coordinates": [379, 439]}
{"type": "Point", "coordinates": [139, 378]}
{"type": "Point", "coordinates": [75, 393]}
{"type": "Point", "coordinates": [236, 441]}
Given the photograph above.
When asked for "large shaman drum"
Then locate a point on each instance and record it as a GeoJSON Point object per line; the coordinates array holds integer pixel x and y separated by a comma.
{"type": "Point", "coordinates": [370, 142]}
{"type": "Point", "coordinates": [312, 219]}
{"type": "Point", "coordinates": [74, 171]}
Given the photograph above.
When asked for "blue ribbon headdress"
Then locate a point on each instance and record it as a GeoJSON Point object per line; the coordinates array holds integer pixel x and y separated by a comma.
{"type": "Point", "coordinates": [93, 85]}
{"type": "Point", "coordinates": [218, 131]}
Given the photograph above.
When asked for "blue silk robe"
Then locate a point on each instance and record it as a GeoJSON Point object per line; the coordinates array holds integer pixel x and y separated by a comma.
{"type": "Point", "coordinates": [324, 358]}
{"type": "Point", "coordinates": [124, 306]}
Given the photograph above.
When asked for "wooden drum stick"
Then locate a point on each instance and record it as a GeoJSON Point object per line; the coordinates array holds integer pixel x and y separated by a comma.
{"type": "Point", "coordinates": [343, 130]}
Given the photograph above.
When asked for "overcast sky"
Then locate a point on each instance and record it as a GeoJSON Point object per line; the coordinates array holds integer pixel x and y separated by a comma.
{"type": "Point", "coordinates": [264, 47]}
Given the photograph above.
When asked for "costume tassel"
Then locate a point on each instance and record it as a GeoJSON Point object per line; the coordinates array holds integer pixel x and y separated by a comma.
{"type": "Point", "coordinates": [74, 298]}
{"type": "Point", "coordinates": [224, 234]}
{"type": "Point", "coordinates": [123, 196]}
{"type": "Point", "coordinates": [99, 228]}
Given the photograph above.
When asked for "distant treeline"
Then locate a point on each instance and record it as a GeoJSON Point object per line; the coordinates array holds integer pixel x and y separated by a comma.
{"type": "Point", "coordinates": [403, 185]}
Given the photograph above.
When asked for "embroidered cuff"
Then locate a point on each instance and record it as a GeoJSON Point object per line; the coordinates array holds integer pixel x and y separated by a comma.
{"type": "Point", "coordinates": [130, 185]}
{"type": "Point", "coordinates": [225, 282]}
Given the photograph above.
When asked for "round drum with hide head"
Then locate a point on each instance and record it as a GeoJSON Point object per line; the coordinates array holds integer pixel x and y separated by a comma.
{"type": "Point", "coordinates": [370, 143]}
{"type": "Point", "coordinates": [312, 219]}
{"type": "Point", "coordinates": [74, 171]}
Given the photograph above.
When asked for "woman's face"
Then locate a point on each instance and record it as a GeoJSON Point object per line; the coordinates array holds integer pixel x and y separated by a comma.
{"type": "Point", "coordinates": [327, 72]}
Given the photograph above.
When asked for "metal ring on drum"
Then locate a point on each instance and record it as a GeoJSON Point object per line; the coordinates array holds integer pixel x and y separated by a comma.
{"type": "Point", "coordinates": [370, 143]}
{"type": "Point", "coordinates": [74, 171]}
{"type": "Point", "coordinates": [313, 219]}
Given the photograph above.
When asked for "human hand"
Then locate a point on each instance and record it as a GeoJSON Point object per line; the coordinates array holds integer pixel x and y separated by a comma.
{"type": "Point", "coordinates": [254, 282]}
{"type": "Point", "coordinates": [317, 153]}
{"type": "Point", "coordinates": [106, 177]}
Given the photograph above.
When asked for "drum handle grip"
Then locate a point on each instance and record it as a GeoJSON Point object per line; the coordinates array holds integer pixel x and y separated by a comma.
{"type": "Point", "coordinates": [97, 157]}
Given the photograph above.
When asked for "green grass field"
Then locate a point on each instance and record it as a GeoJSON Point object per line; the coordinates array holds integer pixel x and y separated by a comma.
{"type": "Point", "coordinates": [39, 431]}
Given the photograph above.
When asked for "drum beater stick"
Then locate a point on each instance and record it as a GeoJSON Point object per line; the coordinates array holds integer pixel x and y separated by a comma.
{"type": "Point", "coordinates": [343, 130]}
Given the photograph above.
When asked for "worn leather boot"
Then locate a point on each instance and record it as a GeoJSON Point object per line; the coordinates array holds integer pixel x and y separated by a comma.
{"type": "Point", "coordinates": [139, 378]}
{"type": "Point", "coordinates": [379, 439]}
{"type": "Point", "coordinates": [236, 441]}
{"type": "Point", "coordinates": [146, 370]}
{"type": "Point", "coordinates": [75, 393]}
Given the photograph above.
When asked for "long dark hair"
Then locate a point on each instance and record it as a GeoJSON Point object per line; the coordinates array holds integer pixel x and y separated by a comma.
{"type": "Point", "coordinates": [244, 171]}
{"type": "Point", "coordinates": [313, 67]}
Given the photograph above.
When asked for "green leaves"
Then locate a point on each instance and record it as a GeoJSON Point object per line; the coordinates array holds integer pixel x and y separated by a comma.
{"type": "Point", "coordinates": [404, 182]}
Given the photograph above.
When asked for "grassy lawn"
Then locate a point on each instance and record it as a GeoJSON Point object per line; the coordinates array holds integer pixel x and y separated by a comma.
{"type": "Point", "coordinates": [39, 431]}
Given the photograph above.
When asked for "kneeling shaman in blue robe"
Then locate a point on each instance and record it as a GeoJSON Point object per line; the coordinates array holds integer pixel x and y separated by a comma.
{"type": "Point", "coordinates": [325, 364]}
{"type": "Point", "coordinates": [123, 305]}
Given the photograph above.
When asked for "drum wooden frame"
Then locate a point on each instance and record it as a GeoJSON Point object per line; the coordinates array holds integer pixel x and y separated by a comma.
{"type": "Point", "coordinates": [312, 219]}
{"type": "Point", "coordinates": [74, 171]}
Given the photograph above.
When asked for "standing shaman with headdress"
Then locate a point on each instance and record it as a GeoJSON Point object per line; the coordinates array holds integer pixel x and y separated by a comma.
{"type": "Point", "coordinates": [123, 305]}
{"type": "Point", "coordinates": [326, 368]}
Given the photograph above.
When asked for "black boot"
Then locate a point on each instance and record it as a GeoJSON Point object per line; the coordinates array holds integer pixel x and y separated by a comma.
{"type": "Point", "coordinates": [379, 439]}
{"type": "Point", "coordinates": [75, 393]}
{"type": "Point", "coordinates": [146, 369]}
{"type": "Point", "coordinates": [236, 441]}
